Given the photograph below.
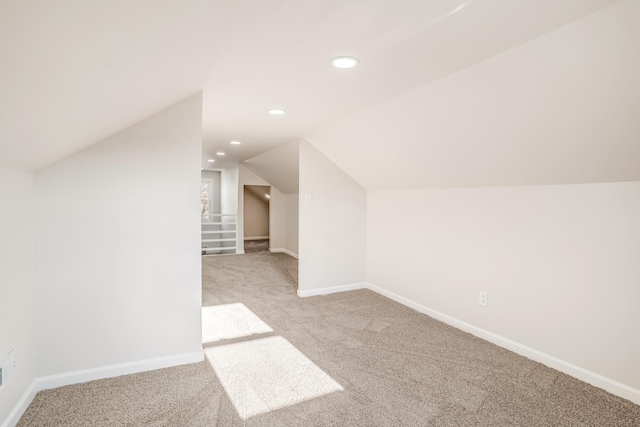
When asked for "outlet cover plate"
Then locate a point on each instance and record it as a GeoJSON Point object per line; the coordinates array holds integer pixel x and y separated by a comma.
{"type": "Point", "coordinates": [484, 298]}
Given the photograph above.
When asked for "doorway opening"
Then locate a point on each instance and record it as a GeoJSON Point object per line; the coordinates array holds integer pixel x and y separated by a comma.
{"type": "Point", "coordinates": [256, 218]}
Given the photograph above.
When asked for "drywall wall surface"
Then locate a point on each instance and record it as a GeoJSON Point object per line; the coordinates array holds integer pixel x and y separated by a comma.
{"type": "Point", "coordinates": [256, 212]}
{"type": "Point", "coordinates": [216, 177]}
{"type": "Point", "coordinates": [560, 109]}
{"type": "Point", "coordinates": [17, 285]}
{"type": "Point", "coordinates": [276, 219]}
{"type": "Point", "coordinates": [332, 224]}
{"type": "Point", "coordinates": [229, 204]}
{"type": "Point", "coordinates": [559, 263]}
{"type": "Point", "coordinates": [283, 221]}
{"type": "Point", "coordinates": [229, 190]}
{"type": "Point", "coordinates": [118, 247]}
{"type": "Point", "coordinates": [291, 222]}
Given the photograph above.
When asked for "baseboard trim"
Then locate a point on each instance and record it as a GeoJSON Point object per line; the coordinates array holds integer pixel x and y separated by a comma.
{"type": "Point", "coordinates": [596, 380]}
{"type": "Point", "coordinates": [284, 251]}
{"type": "Point", "coordinates": [239, 252]}
{"type": "Point", "coordinates": [22, 405]}
{"type": "Point", "coordinates": [331, 290]}
{"type": "Point", "coordinates": [81, 376]}
{"type": "Point", "coordinates": [257, 238]}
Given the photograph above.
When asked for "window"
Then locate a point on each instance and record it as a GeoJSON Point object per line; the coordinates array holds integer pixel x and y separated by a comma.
{"type": "Point", "coordinates": [206, 198]}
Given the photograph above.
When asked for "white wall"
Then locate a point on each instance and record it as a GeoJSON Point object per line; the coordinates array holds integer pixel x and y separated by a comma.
{"type": "Point", "coordinates": [215, 194]}
{"type": "Point", "coordinates": [117, 247]}
{"type": "Point", "coordinates": [332, 240]}
{"type": "Point", "coordinates": [229, 190]}
{"type": "Point", "coordinates": [16, 284]}
{"type": "Point", "coordinates": [560, 263]}
{"type": "Point", "coordinates": [229, 204]}
{"type": "Point", "coordinates": [290, 220]}
{"type": "Point", "coordinates": [276, 219]}
{"type": "Point", "coordinates": [283, 222]}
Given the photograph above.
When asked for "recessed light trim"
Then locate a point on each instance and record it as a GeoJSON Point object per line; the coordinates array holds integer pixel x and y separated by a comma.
{"type": "Point", "coordinates": [211, 161]}
{"type": "Point", "coordinates": [277, 111]}
{"type": "Point", "coordinates": [220, 153]}
{"type": "Point", "coordinates": [344, 62]}
{"type": "Point", "coordinates": [235, 142]}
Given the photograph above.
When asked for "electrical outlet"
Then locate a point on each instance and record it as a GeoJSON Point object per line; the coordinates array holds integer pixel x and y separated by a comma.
{"type": "Point", "coordinates": [484, 298]}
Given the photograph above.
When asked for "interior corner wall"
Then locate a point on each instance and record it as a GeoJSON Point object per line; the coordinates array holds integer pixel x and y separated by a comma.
{"type": "Point", "coordinates": [17, 284]}
{"type": "Point", "coordinates": [559, 263]}
{"type": "Point", "coordinates": [332, 240]}
{"type": "Point", "coordinates": [117, 236]}
{"type": "Point", "coordinates": [283, 221]}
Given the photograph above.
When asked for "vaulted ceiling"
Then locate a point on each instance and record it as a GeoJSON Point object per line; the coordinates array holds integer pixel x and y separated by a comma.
{"type": "Point", "coordinates": [447, 93]}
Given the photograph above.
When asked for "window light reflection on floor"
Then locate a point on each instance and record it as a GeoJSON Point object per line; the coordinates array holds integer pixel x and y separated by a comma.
{"type": "Point", "coordinates": [265, 374]}
{"type": "Point", "coordinates": [230, 321]}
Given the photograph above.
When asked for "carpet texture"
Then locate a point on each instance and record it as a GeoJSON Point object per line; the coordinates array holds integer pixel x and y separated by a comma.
{"type": "Point", "coordinates": [348, 359]}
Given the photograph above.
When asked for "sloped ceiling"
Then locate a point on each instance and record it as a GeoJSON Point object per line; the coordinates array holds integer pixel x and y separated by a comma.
{"type": "Point", "coordinates": [260, 191]}
{"type": "Point", "coordinates": [74, 72]}
{"type": "Point", "coordinates": [447, 93]}
{"type": "Point", "coordinates": [561, 109]}
{"type": "Point", "coordinates": [279, 167]}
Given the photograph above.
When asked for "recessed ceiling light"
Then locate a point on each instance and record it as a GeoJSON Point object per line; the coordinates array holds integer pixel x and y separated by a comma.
{"type": "Point", "coordinates": [344, 62]}
{"type": "Point", "coordinates": [220, 153]}
{"type": "Point", "coordinates": [235, 143]}
{"type": "Point", "coordinates": [211, 161]}
{"type": "Point", "coordinates": [277, 111]}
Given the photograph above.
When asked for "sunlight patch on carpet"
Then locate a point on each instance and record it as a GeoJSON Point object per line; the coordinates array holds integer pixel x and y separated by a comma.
{"type": "Point", "coordinates": [230, 321]}
{"type": "Point", "coordinates": [266, 374]}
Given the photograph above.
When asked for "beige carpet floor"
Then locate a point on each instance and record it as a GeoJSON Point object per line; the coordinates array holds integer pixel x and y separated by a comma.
{"type": "Point", "coordinates": [348, 359]}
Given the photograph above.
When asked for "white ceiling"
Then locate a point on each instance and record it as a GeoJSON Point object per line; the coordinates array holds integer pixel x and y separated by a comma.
{"type": "Point", "coordinates": [563, 108]}
{"type": "Point", "coordinates": [75, 72]}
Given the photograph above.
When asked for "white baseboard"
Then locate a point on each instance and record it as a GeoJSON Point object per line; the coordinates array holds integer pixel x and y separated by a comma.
{"type": "Point", "coordinates": [239, 252]}
{"type": "Point", "coordinates": [331, 290]}
{"type": "Point", "coordinates": [597, 380]}
{"type": "Point", "coordinates": [21, 406]}
{"type": "Point", "coordinates": [76, 377]}
{"type": "Point", "coordinates": [284, 251]}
